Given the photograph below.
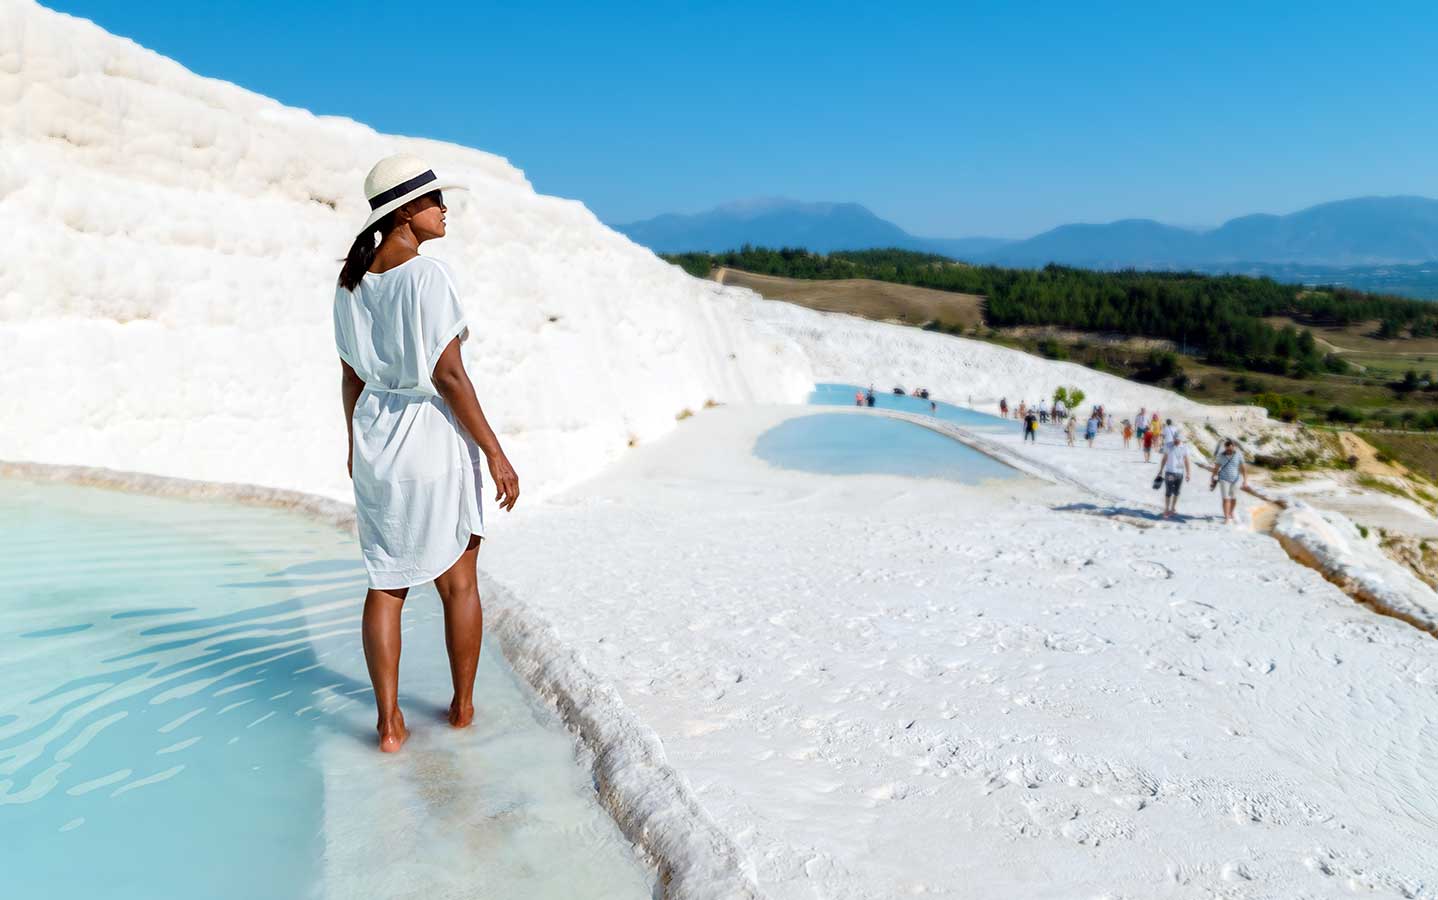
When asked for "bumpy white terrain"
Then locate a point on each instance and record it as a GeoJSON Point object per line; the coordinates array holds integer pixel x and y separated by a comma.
{"type": "Point", "coordinates": [170, 259]}
{"type": "Point", "coordinates": [876, 687]}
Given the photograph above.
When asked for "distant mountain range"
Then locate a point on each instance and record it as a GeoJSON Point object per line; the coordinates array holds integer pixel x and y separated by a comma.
{"type": "Point", "coordinates": [1376, 243]}
{"type": "Point", "coordinates": [820, 227]}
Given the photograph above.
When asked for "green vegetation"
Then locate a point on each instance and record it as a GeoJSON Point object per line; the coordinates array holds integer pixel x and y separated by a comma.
{"type": "Point", "coordinates": [1070, 397]}
{"type": "Point", "coordinates": [1229, 339]}
{"type": "Point", "coordinates": [1219, 318]}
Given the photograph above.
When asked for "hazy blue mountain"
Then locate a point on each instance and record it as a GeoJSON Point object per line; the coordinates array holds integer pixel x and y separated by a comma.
{"type": "Point", "coordinates": [821, 227]}
{"type": "Point", "coordinates": [1129, 242]}
{"type": "Point", "coordinates": [1374, 243]}
{"type": "Point", "coordinates": [1364, 231]}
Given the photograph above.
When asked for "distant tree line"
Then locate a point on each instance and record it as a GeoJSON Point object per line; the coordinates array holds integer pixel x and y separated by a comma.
{"type": "Point", "coordinates": [1219, 317]}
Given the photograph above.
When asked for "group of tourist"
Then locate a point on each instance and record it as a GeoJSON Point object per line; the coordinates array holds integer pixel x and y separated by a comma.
{"type": "Point", "coordinates": [1229, 471]}
{"type": "Point", "coordinates": [1041, 412]}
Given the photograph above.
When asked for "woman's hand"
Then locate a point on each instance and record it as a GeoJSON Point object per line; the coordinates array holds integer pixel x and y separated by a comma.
{"type": "Point", "coordinates": [506, 483]}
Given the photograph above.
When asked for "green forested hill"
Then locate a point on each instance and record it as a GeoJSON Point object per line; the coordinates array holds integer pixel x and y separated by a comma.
{"type": "Point", "coordinates": [1218, 317]}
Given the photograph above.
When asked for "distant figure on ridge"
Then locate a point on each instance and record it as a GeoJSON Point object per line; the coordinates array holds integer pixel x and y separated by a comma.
{"type": "Point", "coordinates": [416, 433]}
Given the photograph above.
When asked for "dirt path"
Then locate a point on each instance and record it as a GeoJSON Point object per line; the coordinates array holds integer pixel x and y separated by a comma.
{"type": "Point", "coordinates": [1355, 447]}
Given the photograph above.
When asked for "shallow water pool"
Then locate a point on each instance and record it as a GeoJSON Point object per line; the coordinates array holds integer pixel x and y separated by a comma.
{"type": "Point", "coordinates": [186, 713]}
{"type": "Point", "coordinates": [850, 444]}
{"type": "Point", "coordinates": [843, 395]}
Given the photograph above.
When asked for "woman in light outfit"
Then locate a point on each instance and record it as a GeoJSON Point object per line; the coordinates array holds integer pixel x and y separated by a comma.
{"type": "Point", "coordinates": [416, 432]}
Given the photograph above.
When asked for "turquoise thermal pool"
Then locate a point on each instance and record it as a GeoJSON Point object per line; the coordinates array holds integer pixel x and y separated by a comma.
{"type": "Point", "coordinates": [843, 395]}
{"type": "Point", "coordinates": [857, 444]}
{"type": "Point", "coordinates": [186, 713]}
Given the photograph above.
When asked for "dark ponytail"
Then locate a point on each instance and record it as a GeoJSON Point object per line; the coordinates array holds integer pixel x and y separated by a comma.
{"type": "Point", "coordinates": [362, 251]}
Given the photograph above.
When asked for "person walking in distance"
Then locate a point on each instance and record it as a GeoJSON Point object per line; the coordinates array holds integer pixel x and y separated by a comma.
{"type": "Point", "coordinates": [1004, 407]}
{"type": "Point", "coordinates": [1228, 470]}
{"type": "Point", "coordinates": [1175, 469]}
{"type": "Point", "coordinates": [1168, 435]}
{"type": "Point", "coordinates": [1031, 427]}
{"type": "Point", "coordinates": [416, 434]}
{"type": "Point", "coordinates": [1069, 427]}
{"type": "Point", "coordinates": [1147, 440]}
{"type": "Point", "coordinates": [1127, 433]}
{"type": "Point", "coordinates": [1091, 429]}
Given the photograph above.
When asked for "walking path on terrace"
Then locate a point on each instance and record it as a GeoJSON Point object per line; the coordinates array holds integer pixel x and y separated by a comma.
{"type": "Point", "coordinates": [886, 687]}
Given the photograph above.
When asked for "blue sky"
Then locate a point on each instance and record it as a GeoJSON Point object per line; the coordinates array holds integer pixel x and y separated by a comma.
{"type": "Point", "coordinates": [951, 119]}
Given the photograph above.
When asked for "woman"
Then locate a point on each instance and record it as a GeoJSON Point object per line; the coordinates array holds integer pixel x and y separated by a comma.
{"type": "Point", "coordinates": [1069, 429]}
{"type": "Point", "coordinates": [1127, 433]}
{"type": "Point", "coordinates": [416, 431]}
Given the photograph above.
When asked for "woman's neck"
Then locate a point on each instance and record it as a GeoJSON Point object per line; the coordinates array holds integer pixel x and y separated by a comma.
{"type": "Point", "coordinates": [397, 248]}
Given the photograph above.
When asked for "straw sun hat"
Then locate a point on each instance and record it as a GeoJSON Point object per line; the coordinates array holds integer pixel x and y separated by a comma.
{"type": "Point", "coordinates": [396, 180]}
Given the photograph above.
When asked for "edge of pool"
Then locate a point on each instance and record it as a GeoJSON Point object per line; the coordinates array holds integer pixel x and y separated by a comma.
{"type": "Point", "coordinates": [994, 449]}
{"type": "Point", "coordinates": [650, 800]}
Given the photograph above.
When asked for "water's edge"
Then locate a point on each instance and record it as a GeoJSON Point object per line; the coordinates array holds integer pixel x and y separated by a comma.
{"type": "Point", "coordinates": [651, 801]}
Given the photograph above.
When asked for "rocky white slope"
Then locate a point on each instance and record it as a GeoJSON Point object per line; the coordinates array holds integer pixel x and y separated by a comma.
{"type": "Point", "coordinates": [169, 262]}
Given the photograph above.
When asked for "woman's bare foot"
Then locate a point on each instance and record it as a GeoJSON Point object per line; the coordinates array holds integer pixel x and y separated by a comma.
{"type": "Point", "coordinates": [460, 716]}
{"type": "Point", "coordinates": [392, 734]}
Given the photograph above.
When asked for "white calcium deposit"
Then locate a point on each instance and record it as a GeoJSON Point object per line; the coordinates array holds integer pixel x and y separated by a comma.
{"type": "Point", "coordinates": [850, 350]}
{"type": "Point", "coordinates": [890, 687]}
{"type": "Point", "coordinates": [169, 262]}
{"type": "Point", "coordinates": [867, 687]}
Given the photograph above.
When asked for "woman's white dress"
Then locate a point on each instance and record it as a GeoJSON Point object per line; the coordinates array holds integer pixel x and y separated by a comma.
{"type": "Point", "coordinates": [417, 477]}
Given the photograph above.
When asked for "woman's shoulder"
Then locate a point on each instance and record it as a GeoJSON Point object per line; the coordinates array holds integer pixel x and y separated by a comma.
{"type": "Point", "coordinates": [427, 267]}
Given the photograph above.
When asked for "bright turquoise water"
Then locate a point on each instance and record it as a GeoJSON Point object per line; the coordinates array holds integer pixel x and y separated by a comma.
{"type": "Point", "coordinates": [844, 444]}
{"type": "Point", "coordinates": [185, 714]}
{"type": "Point", "coordinates": [843, 395]}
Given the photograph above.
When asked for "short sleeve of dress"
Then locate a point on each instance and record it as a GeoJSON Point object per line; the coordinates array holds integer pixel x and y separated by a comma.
{"type": "Point", "coordinates": [441, 318]}
{"type": "Point", "coordinates": [343, 325]}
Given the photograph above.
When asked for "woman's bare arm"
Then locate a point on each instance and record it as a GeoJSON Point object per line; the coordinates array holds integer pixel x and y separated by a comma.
{"type": "Point", "coordinates": [350, 388]}
{"type": "Point", "coordinates": [454, 386]}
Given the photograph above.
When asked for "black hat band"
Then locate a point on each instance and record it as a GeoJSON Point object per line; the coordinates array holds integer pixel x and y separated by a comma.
{"type": "Point", "coordinates": [401, 189]}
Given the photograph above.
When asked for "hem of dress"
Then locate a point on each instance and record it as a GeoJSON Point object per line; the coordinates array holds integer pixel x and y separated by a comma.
{"type": "Point", "coordinates": [427, 579]}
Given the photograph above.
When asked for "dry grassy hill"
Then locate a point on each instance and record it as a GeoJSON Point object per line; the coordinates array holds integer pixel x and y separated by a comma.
{"type": "Point", "coordinates": [878, 300]}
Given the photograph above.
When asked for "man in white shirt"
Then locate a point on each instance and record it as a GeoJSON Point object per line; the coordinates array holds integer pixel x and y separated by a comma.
{"type": "Point", "coordinates": [1175, 469]}
{"type": "Point", "coordinates": [1169, 435]}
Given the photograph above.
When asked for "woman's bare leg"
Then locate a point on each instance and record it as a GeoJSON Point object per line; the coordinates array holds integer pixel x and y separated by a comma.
{"type": "Point", "coordinates": [381, 653]}
{"type": "Point", "coordinates": [463, 630]}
